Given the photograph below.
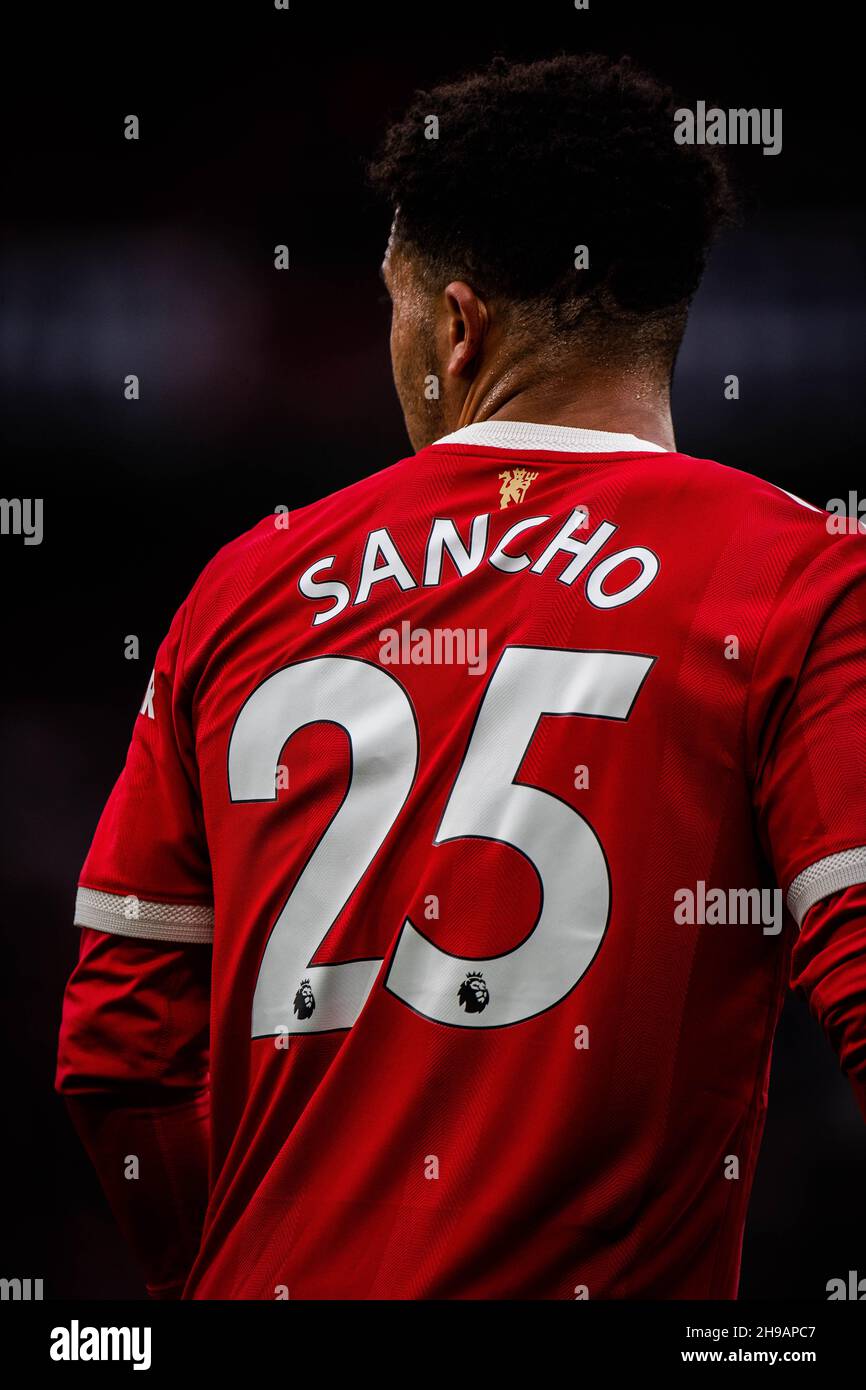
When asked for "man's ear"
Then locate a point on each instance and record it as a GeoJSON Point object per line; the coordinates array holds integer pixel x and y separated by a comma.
{"type": "Point", "coordinates": [468, 321]}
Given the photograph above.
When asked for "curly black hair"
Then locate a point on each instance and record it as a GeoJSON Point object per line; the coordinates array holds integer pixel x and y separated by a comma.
{"type": "Point", "coordinates": [533, 160]}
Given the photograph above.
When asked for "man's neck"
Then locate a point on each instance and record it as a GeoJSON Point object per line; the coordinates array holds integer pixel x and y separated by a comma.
{"type": "Point", "coordinates": [621, 407]}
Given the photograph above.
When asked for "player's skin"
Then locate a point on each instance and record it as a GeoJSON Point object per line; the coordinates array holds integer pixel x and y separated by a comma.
{"type": "Point", "coordinates": [488, 371]}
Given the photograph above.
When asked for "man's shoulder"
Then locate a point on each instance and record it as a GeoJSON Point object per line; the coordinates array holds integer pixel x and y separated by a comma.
{"type": "Point", "coordinates": [710, 475]}
{"type": "Point", "coordinates": [779, 538]}
{"type": "Point", "coordinates": [277, 539]}
{"type": "Point", "coordinates": [749, 508]}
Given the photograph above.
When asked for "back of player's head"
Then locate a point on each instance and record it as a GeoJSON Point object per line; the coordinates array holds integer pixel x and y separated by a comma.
{"type": "Point", "coordinates": [531, 161]}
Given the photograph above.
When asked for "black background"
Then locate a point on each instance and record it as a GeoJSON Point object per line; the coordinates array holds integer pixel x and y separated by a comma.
{"type": "Point", "coordinates": [261, 388]}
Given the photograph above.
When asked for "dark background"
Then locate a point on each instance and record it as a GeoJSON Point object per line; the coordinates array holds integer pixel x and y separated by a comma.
{"type": "Point", "coordinates": [261, 388]}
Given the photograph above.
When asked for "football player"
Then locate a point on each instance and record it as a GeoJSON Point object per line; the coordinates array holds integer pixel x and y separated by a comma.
{"type": "Point", "coordinates": [477, 817]}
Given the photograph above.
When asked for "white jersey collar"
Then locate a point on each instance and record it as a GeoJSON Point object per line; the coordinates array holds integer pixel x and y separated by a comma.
{"type": "Point", "coordinates": [563, 439]}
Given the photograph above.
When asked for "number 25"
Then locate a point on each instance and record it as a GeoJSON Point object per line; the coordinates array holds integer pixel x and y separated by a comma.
{"type": "Point", "coordinates": [485, 803]}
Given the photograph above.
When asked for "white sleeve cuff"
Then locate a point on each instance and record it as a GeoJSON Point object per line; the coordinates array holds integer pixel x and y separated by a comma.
{"type": "Point", "coordinates": [129, 915]}
{"type": "Point", "coordinates": [827, 876]}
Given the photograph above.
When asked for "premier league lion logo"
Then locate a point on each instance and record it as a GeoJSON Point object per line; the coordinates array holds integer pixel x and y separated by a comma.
{"type": "Point", "coordinates": [474, 994]}
{"type": "Point", "coordinates": [305, 1001]}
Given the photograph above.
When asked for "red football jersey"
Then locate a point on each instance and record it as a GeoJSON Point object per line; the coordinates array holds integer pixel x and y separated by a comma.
{"type": "Point", "coordinates": [486, 777]}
